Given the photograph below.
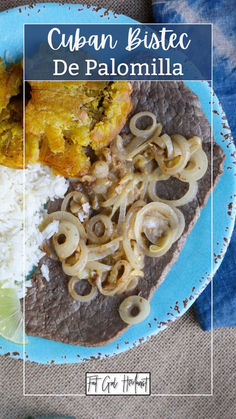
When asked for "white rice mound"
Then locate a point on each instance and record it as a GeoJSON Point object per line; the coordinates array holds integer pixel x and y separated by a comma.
{"type": "Point", "coordinates": [37, 184]}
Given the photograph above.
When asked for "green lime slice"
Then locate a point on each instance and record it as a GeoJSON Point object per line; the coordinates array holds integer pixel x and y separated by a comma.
{"type": "Point", "coordinates": [11, 318]}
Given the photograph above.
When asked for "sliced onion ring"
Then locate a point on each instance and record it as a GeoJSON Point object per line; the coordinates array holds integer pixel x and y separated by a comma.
{"type": "Point", "coordinates": [108, 290]}
{"type": "Point", "coordinates": [199, 163]}
{"type": "Point", "coordinates": [145, 133]}
{"type": "Point", "coordinates": [130, 303]}
{"type": "Point", "coordinates": [114, 283]}
{"type": "Point", "coordinates": [185, 199]}
{"type": "Point", "coordinates": [162, 212]}
{"type": "Point", "coordinates": [179, 161]}
{"type": "Point", "coordinates": [133, 254]}
{"type": "Point", "coordinates": [181, 224]}
{"type": "Point", "coordinates": [117, 147]}
{"type": "Point", "coordinates": [78, 297]}
{"type": "Point", "coordinates": [70, 244]}
{"type": "Point", "coordinates": [77, 197]}
{"type": "Point", "coordinates": [132, 284]}
{"type": "Point", "coordinates": [114, 274]}
{"type": "Point", "coordinates": [194, 144]}
{"type": "Point", "coordinates": [164, 142]}
{"type": "Point", "coordinates": [98, 266]}
{"type": "Point", "coordinates": [91, 228]}
{"type": "Point", "coordinates": [63, 216]}
{"type": "Point", "coordinates": [100, 252]}
{"type": "Point", "coordinates": [79, 265]}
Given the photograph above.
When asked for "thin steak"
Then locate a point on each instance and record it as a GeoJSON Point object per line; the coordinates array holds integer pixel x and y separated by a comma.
{"type": "Point", "coordinates": [50, 310]}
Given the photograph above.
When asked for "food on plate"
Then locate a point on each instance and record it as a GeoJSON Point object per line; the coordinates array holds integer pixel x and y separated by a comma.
{"type": "Point", "coordinates": [67, 121]}
{"type": "Point", "coordinates": [128, 307]}
{"type": "Point", "coordinates": [11, 317]}
{"type": "Point", "coordinates": [105, 232]}
{"type": "Point", "coordinates": [121, 228]}
{"type": "Point", "coordinates": [125, 169]}
{"type": "Point", "coordinates": [11, 116]}
{"type": "Point", "coordinates": [11, 80]}
{"type": "Point", "coordinates": [22, 198]}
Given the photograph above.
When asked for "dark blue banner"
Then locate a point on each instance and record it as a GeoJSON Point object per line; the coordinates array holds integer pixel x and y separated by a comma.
{"type": "Point", "coordinates": [118, 52]}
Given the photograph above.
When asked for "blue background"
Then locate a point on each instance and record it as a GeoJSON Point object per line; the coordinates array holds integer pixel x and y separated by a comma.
{"type": "Point", "coordinates": [222, 14]}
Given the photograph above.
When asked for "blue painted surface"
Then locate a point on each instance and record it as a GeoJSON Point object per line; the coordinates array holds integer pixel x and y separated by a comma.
{"type": "Point", "coordinates": [184, 279]}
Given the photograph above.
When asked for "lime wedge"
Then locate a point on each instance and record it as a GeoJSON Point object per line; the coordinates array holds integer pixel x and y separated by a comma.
{"type": "Point", "coordinates": [11, 318]}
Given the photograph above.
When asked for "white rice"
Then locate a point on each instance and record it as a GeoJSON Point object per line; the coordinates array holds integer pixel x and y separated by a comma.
{"type": "Point", "coordinates": [83, 214]}
{"type": "Point", "coordinates": [45, 272]}
{"type": "Point", "coordinates": [40, 186]}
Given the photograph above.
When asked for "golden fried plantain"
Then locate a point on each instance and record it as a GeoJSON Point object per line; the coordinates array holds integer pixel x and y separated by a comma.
{"type": "Point", "coordinates": [10, 82]}
{"type": "Point", "coordinates": [63, 118]}
{"type": "Point", "coordinates": [11, 116]}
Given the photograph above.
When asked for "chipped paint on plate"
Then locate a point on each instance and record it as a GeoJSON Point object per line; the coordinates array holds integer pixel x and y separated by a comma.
{"type": "Point", "coordinates": [185, 281]}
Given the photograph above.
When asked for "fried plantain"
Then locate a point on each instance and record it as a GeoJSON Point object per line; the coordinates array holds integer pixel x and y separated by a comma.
{"type": "Point", "coordinates": [11, 116]}
{"type": "Point", "coordinates": [64, 118]}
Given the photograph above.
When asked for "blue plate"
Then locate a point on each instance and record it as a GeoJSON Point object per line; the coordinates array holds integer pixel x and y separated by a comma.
{"type": "Point", "coordinates": [186, 280]}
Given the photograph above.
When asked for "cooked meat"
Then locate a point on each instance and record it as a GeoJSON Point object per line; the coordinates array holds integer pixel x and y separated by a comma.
{"type": "Point", "coordinates": [50, 310]}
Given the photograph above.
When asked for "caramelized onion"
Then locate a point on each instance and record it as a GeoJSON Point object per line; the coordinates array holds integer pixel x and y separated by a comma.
{"type": "Point", "coordinates": [159, 223]}
{"type": "Point", "coordinates": [98, 266]}
{"type": "Point", "coordinates": [126, 227]}
{"type": "Point", "coordinates": [117, 148]}
{"type": "Point", "coordinates": [92, 228]}
{"type": "Point", "coordinates": [132, 251]}
{"type": "Point", "coordinates": [134, 302]}
{"type": "Point", "coordinates": [75, 264]}
{"type": "Point", "coordinates": [142, 132]}
{"type": "Point", "coordinates": [196, 168]}
{"type": "Point", "coordinates": [63, 216]}
{"type": "Point", "coordinates": [116, 282]}
{"type": "Point", "coordinates": [100, 252]}
{"type": "Point", "coordinates": [77, 196]}
{"type": "Point", "coordinates": [69, 235]}
{"type": "Point", "coordinates": [179, 157]}
{"type": "Point", "coordinates": [132, 284]}
{"type": "Point", "coordinates": [78, 297]}
{"type": "Point", "coordinates": [185, 199]}
{"type": "Point", "coordinates": [164, 142]}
